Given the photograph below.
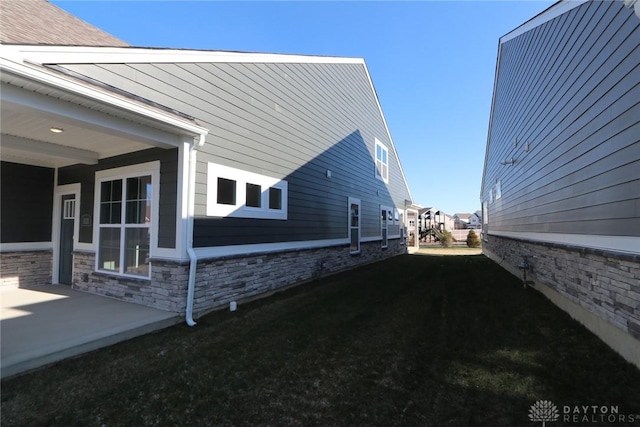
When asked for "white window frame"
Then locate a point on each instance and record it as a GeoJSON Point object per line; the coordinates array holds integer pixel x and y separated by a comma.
{"type": "Point", "coordinates": [60, 191]}
{"type": "Point", "coordinates": [498, 189]}
{"type": "Point", "coordinates": [358, 228]}
{"type": "Point", "coordinates": [239, 209]}
{"type": "Point", "coordinates": [385, 220]}
{"type": "Point", "coordinates": [380, 165]}
{"type": "Point", "coordinates": [143, 169]}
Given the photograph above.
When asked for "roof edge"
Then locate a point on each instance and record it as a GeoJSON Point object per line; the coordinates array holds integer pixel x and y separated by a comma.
{"type": "Point", "coordinates": [59, 54]}
{"type": "Point", "coordinates": [45, 77]}
{"type": "Point", "coordinates": [546, 15]}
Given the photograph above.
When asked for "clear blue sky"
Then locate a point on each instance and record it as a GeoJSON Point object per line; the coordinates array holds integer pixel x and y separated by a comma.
{"type": "Point", "coordinates": [432, 63]}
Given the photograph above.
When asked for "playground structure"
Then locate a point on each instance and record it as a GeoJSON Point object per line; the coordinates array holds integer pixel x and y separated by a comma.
{"type": "Point", "coordinates": [433, 234]}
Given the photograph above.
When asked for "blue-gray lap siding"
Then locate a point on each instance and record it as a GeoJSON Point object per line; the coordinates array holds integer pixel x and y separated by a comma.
{"type": "Point", "coordinates": [571, 89]}
{"type": "Point", "coordinates": [289, 121]}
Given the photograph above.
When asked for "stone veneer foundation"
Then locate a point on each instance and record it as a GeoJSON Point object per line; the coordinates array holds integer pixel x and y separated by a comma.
{"type": "Point", "coordinates": [225, 279]}
{"type": "Point", "coordinates": [26, 269]}
{"type": "Point", "coordinates": [601, 289]}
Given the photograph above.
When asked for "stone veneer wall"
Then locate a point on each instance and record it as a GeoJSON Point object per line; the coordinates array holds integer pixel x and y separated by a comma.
{"type": "Point", "coordinates": [26, 269]}
{"type": "Point", "coordinates": [604, 283]}
{"type": "Point", "coordinates": [225, 279]}
{"type": "Point", "coordinates": [165, 290]}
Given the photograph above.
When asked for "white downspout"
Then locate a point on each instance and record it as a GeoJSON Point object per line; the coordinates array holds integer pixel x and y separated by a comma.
{"type": "Point", "coordinates": [191, 198]}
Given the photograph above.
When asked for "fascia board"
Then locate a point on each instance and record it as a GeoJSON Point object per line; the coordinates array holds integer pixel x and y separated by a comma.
{"type": "Point", "coordinates": [62, 83]}
{"type": "Point", "coordinates": [547, 15]}
{"type": "Point", "coordinates": [113, 55]}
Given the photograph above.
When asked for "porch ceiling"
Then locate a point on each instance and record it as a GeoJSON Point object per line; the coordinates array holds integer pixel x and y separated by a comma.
{"type": "Point", "coordinates": [92, 129]}
{"type": "Point", "coordinates": [26, 138]}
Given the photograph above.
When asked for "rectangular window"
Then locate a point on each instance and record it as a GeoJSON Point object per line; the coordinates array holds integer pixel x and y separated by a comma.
{"type": "Point", "coordinates": [384, 227]}
{"type": "Point", "coordinates": [69, 209]}
{"type": "Point", "coordinates": [498, 189]}
{"type": "Point", "coordinates": [254, 195]}
{"type": "Point", "coordinates": [139, 200]}
{"type": "Point", "coordinates": [382, 162]}
{"type": "Point", "coordinates": [111, 202]}
{"type": "Point", "coordinates": [226, 191]}
{"type": "Point", "coordinates": [124, 229]}
{"type": "Point", "coordinates": [136, 247]}
{"type": "Point", "coordinates": [275, 198]}
{"type": "Point", "coordinates": [354, 226]}
{"type": "Point", "coordinates": [109, 249]}
{"type": "Point", "coordinates": [236, 193]}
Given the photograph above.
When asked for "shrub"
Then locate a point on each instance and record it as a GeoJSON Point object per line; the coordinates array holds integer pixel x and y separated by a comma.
{"type": "Point", "coordinates": [446, 239]}
{"type": "Point", "coordinates": [472, 239]}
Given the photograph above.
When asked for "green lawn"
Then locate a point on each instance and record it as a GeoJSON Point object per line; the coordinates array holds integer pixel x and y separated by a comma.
{"type": "Point", "coordinates": [415, 340]}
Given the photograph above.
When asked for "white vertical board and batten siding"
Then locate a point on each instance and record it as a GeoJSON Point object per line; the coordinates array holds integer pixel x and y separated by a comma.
{"type": "Point", "coordinates": [570, 87]}
{"type": "Point", "coordinates": [287, 120]}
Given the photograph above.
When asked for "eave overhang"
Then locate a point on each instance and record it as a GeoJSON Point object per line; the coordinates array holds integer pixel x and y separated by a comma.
{"type": "Point", "coordinates": [96, 123]}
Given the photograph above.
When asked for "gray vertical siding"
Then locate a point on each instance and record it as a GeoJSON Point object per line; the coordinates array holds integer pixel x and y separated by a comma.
{"type": "Point", "coordinates": [571, 89]}
{"type": "Point", "coordinates": [290, 121]}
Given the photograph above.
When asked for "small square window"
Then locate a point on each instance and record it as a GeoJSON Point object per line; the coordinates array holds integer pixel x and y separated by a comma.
{"type": "Point", "coordinates": [241, 194]}
{"type": "Point", "coordinates": [254, 195]}
{"type": "Point", "coordinates": [275, 198]}
{"type": "Point", "coordinates": [226, 191]}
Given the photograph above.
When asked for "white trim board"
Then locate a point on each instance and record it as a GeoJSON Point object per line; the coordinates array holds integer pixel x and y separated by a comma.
{"type": "Point", "coordinates": [626, 244]}
{"type": "Point", "coordinates": [114, 55]}
{"type": "Point", "coordinates": [59, 191]}
{"type": "Point", "coordinates": [254, 249]}
{"type": "Point", "coordinates": [26, 246]}
{"type": "Point", "coordinates": [545, 16]}
{"type": "Point", "coordinates": [260, 248]}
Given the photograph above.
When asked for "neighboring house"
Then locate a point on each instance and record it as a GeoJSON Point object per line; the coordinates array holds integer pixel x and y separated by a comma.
{"type": "Point", "coordinates": [475, 220]}
{"type": "Point", "coordinates": [186, 179]}
{"type": "Point", "coordinates": [561, 182]}
{"type": "Point", "coordinates": [461, 221]}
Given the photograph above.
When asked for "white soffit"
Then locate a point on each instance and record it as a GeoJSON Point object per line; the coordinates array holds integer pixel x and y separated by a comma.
{"type": "Point", "coordinates": [43, 81]}
{"type": "Point", "coordinates": [96, 124]}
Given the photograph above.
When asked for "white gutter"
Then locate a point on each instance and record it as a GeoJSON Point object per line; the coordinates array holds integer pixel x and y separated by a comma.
{"type": "Point", "coordinates": [193, 258]}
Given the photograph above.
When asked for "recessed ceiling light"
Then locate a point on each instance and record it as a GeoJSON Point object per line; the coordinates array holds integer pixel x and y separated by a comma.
{"type": "Point", "coordinates": [56, 130]}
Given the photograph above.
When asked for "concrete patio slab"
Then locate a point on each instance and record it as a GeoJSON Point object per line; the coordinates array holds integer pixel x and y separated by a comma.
{"type": "Point", "coordinates": [43, 325]}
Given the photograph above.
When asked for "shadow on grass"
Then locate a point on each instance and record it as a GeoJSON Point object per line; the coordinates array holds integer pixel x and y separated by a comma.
{"type": "Point", "coordinates": [414, 340]}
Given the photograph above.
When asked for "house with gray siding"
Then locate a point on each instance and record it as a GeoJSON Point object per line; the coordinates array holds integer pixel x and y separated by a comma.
{"type": "Point", "coordinates": [561, 182]}
{"type": "Point", "coordinates": [186, 179]}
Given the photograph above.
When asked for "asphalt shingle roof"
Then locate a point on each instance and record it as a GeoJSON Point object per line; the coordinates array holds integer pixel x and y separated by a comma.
{"type": "Point", "coordinates": [42, 23]}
